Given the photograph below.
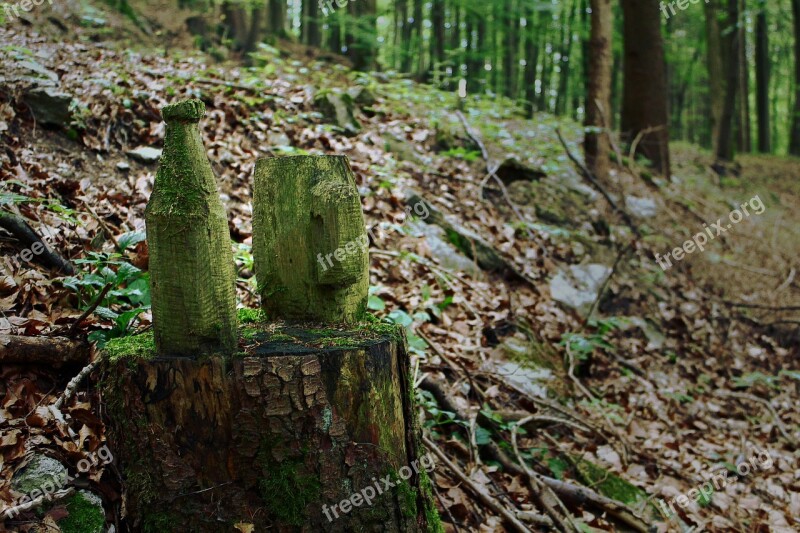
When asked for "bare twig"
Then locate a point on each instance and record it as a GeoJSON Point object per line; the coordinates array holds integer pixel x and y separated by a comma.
{"type": "Point", "coordinates": [759, 306]}
{"type": "Point", "coordinates": [542, 494]}
{"type": "Point", "coordinates": [91, 309]}
{"type": "Point", "coordinates": [36, 502]}
{"type": "Point", "coordinates": [513, 523]}
{"type": "Point", "coordinates": [596, 184]}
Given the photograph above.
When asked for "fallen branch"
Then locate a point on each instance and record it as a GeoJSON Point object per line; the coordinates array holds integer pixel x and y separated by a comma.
{"type": "Point", "coordinates": [14, 511]}
{"type": "Point", "coordinates": [491, 172]}
{"type": "Point", "coordinates": [485, 498]}
{"type": "Point", "coordinates": [543, 495]}
{"type": "Point", "coordinates": [55, 351]}
{"type": "Point", "coordinates": [20, 229]}
{"type": "Point", "coordinates": [596, 184]}
{"type": "Point", "coordinates": [759, 306]}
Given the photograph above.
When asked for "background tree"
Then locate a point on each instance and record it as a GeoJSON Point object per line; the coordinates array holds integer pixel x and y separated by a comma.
{"type": "Point", "coordinates": [644, 109]}
{"type": "Point", "coordinates": [598, 100]}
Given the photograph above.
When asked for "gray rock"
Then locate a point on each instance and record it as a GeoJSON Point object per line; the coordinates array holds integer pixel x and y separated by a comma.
{"type": "Point", "coordinates": [466, 240]}
{"type": "Point", "coordinates": [39, 472]}
{"type": "Point", "coordinates": [641, 207]}
{"type": "Point", "coordinates": [43, 72]}
{"type": "Point", "coordinates": [145, 154]}
{"type": "Point", "coordinates": [577, 287]}
{"type": "Point", "coordinates": [362, 95]}
{"type": "Point", "coordinates": [447, 254]}
{"type": "Point", "coordinates": [123, 166]}
{"type": "Point", "coordinates": [50, 106]}
{"type": "Point", "coordinates": [337, 107]}
{"type": "Point", "coordinates": [529, 380]}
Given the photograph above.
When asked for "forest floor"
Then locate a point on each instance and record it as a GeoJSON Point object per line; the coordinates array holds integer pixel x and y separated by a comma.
{"type": "Point", "coordinates": [677, 375]}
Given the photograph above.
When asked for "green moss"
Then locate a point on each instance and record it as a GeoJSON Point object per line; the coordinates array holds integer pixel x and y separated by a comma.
{"type": "Point", "coordinates": [407, 497]}
{"type": "Point", "coordinates": [285, 491]}
{"type": "Point", "coordinates": [134, 347]}
{"type": "Point", "coordinates": [250, 316]}
{"type": "Point", "coordinates": [84, 516]}
{"type": "Point", "coordinates": [248, 333]}
{"type": "Point", "coordinates": [431, 513]}
{"type": "Point", "coordinates": [341, 342]}
{"type": "Point", "coordinates": [609, 484]}
{"type": "Point", "coordinates": [158, 522]}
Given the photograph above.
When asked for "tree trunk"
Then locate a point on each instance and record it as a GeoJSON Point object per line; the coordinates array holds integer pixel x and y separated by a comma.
{"type": "Point", "coordinates": [277, 17]}
{"type": "Point", "coordinates": [309, 239]}
{"type": "Point", "coordinates": [743, 123]}
{"type": "Point", "coordinates": [310, 26]}
{"type": "Point", "coordinates": [598, 100]}
{"type": "Point", "coordinates": [511, 57]}
{"type": "Point", "coordinates": [361, 34]}
{"type": "Point", "coordinates": [192, 273]}
{"type": "Point", "coordinates": [716, 73]}
{"type": "Point", "coordinates": [277, 437]}
{"type": "Point", "coordinates": [234, 23]}
{"type": "Point", "coordinates": [645, 92]}
{"type": "Point", "coordinates": [724, 152]}
{"type": "Point", "coordinates": [762, 79]}
{"type": "Point", "coordinates": [437, 41]}
{"type": "Point", "coordinates": [531, 60]}
{"type": "Point", "coordinates": [794, 141]}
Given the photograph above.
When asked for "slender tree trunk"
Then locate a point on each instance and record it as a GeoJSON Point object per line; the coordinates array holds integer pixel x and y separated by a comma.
{"type": "Point", "coordinates": [716, 74]}
{"type": "Point", "coordinates": [234, 22]}
{"type": "Point", "coordinates": [762, 79]}
{"type": "Point", "coordinates": [277, 17]}
{"type": "Point", "coordinates": [255, 33]}
{"type": "Point", "coordinates": [361, 34]}
{"type": "Point", "coordinates": [419, 38]}
{"type": "Point", "coordinates": [511, 57]}
{"type": "Point", "coordinates": [724, 152]}
{"type": "Point", "coordinates": [794, 141]}
{"type": "Point", "coordinates": [531, 59]}
{"type": "Point", "coordinates": [745, 140]}
{"type": "Point", "coordinates": [598, 100]}
{"type": "Point", "coordinates": [438, 41]}
{"type": "Point", "coordinates": [645, 104]}
{"type": "Point", "coordinates": [310, 28]}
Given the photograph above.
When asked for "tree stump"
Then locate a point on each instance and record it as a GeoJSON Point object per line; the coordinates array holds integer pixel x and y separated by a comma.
{"type": "Point", "coordinates": [276, 436]}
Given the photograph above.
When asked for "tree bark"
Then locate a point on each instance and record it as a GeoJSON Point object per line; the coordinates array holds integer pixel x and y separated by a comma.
{"type": "Point", "coordinates": [645, 91]}
{"type": "Point", "coordinates": [743, 123]}
{"type": "Point", "coordinates": [276, 437]}
{"type": "Point", "coordinates": [731, 43]}
{"type": "Point", "coordinates": [716, 71]}
{"type": "Point", "coordinates": [310, 26]}
{"type": "Point", "coordinates": [310, 242]}
{"type": "Point", "coordinates": [762, 79]}
{"type": "Point", "coordinates": [598, 100]}
{"type": "Point", "coordinates": [794, 140]}
{"type": "Point", "coordinates": [192, 273]}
